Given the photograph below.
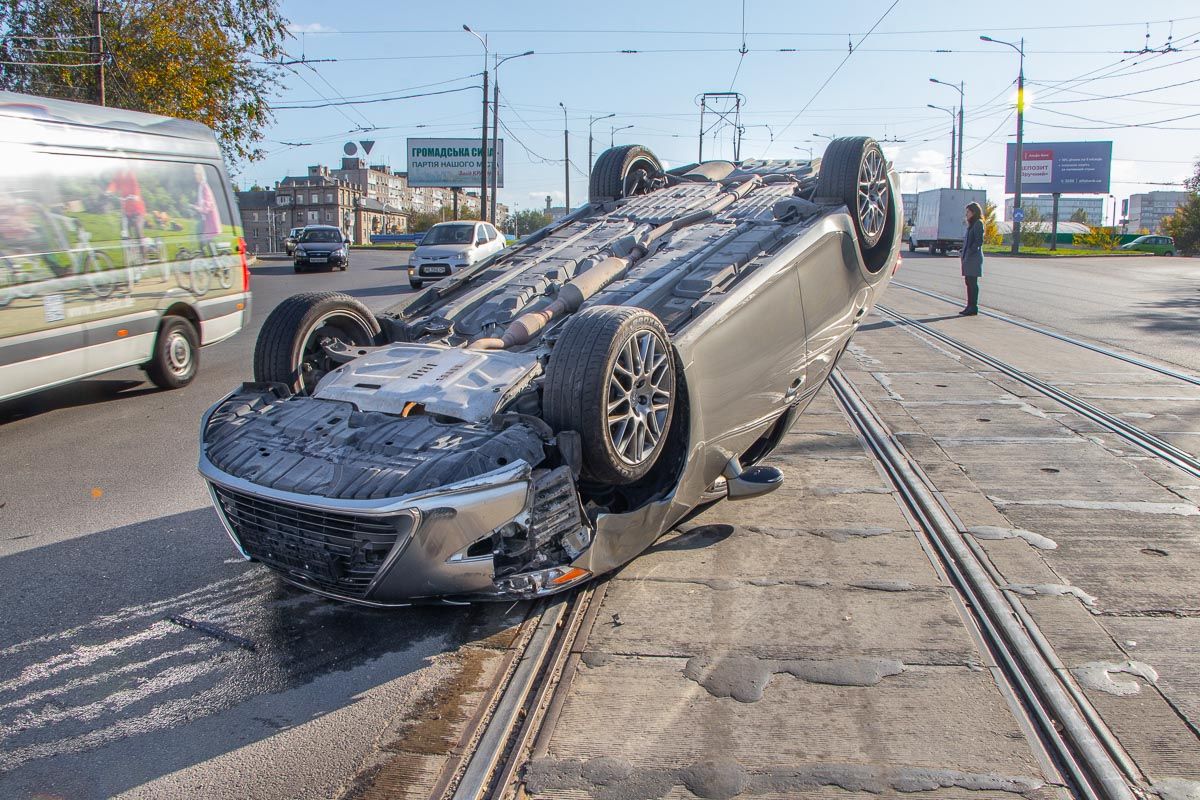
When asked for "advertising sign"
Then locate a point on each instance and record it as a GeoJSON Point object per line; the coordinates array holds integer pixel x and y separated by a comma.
{"type": "Point", "coordinates": [452, 162]}
{"type": "Point", "coordinates": [1060, 167]}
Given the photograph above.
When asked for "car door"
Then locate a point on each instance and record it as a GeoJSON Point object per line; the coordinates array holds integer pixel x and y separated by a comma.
{"type": "Point", "coordinates": [834, 295]}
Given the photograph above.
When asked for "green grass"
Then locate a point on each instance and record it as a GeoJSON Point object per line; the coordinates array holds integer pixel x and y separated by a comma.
{"type": "Point", "coordinates": [1064, 251]}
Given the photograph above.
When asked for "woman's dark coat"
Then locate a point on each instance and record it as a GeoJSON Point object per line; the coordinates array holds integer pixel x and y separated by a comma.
{"type": "Point", "coordinates": [972, 252]}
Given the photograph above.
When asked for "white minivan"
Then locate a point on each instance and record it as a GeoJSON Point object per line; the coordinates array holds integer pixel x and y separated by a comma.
{"type": "Point", "coordinates": [120, 245]}
{"type": "Point", "coordinates": [451, 246]}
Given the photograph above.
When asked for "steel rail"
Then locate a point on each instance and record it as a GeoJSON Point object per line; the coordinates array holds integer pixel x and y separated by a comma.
{"type": "Point", "coordinates": [1130, 433]}
{"type": "Point", "coordinates": [498, 738]}
{"type": "Point", "coordinates": [1064, 728]}
{"type": "Point", "coordinates": [1062, 337]}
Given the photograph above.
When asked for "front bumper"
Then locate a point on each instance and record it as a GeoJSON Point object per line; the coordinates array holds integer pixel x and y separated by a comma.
{"type": "Point", "coordinates": [394, 551]}
{"type": "Point", "coordinates": [316, 258]}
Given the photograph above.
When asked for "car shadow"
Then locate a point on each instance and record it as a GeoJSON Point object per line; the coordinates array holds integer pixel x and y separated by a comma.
{"type": "Point", "coordinates": [380, 291]}
{"type": "Point", "coordinates": [282, 269]}
{"type": "Point", "coordinates": [100, 670]}
{"type": "Point", "coordinates": [79, 393]}
{"type": "Point", "coordinates": [1174, 316]}
{"type": "Point", "coordinates": [695, 538]}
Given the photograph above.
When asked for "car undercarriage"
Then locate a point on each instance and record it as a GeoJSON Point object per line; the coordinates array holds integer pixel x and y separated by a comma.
{"type": "Point", "coordinates": [542, 416]}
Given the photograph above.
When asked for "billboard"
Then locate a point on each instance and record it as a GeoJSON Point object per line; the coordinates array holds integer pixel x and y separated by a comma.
{"type": "Point", "coordinates": [1060, 168]}
{"type": "Point", "coordinates": [452, 162]}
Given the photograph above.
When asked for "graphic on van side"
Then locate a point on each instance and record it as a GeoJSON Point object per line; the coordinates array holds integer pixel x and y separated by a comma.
{"type": "Point", "coordinates": [82, 237]}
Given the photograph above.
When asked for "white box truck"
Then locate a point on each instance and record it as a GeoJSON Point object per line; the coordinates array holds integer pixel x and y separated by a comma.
{"type": "Point", "coordinates": [940, 221]}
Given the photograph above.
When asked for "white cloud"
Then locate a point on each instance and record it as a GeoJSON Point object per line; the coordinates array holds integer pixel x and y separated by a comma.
{"type": "Point", "coordinates": [297, 28]}
{"type": "Point", "coordinates": [539, 197]}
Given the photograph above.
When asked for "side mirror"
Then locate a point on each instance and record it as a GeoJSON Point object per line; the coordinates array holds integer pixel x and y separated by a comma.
{"type": "Point", "coordinates": [481, 240]}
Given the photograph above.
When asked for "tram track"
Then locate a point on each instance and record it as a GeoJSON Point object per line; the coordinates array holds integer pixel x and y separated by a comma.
{"type": "Point", "coordinates": [1088, 757]}
{"type": "Point", "coordinates": [1062, 337]}
{"type": "Point", "coordinates": [1136, 436]}
{"type": "Point", "coordinates": [497, 741]}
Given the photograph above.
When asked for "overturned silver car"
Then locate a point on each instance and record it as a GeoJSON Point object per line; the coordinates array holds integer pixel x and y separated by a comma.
{"type": "Point", "coordinates": [542, 416]}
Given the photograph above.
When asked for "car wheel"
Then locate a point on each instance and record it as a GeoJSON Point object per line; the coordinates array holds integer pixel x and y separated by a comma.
{"type": "Point", "coordinates": [855, 171]}
{"type": "Point", "coordinates": [1169, 253]}
{"type": "Point", "coordinates": [611, 377]}
{"type": "Point", "coordinates": [289, 348]}
{"type": "Point", "coordinates": [415, 284]}
{"type": "Point", "coordinates": [297, 268]}
{"type": "Point", "coordinates": [623, 172]}
{"type": "Point", "coordinates": [176, 354]}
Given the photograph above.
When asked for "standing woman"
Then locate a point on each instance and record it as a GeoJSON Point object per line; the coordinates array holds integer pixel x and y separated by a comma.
{"type": "Point", "coordinates": [972, 258]}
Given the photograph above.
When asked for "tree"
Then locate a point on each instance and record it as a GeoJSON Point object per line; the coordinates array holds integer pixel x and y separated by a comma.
{"type": "Point", "coordinates": [1079, 216]}
{"type": "Point", "coordinates": [206, 62]}
{"type": "Point", "coordinates": [991, 231]}
{"type": "Point", "coordinates": [526, 222]}
{"type": "Point", "coordinates": [1099, 237]}
{"type": "Point", "coordinates": [1184, 225]}
{"type": "Point", "coordinates": [424, 220]}
{"type": "Point", "coordinates": [1031, 228]}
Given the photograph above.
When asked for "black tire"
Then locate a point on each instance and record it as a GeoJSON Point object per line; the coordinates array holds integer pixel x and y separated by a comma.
{"type": "Point", "coordinates": [624, 171]}
{"type": "Point", "coordinates": [288, 349]}
{"type": "Point", "coordinates": [297, 268]}
{"type": "Point", "coordinates": [583, 377]}
{"type": "Point", "coordinates": [847, 162]}
{"type": "Point", "coordinates": [176, 357]}
{"type": "Point", "coordinates": [1169, 253]}
{"type": "Point", "coordinates": [415, 285]}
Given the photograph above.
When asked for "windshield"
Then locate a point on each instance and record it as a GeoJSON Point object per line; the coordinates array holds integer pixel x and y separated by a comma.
{"type": "Point", "coordinates": [328, 235]}
{"type": "Point", "coordinates": [450, 234]}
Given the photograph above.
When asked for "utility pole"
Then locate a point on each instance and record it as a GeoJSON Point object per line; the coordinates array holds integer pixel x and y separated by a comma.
{"type": "Point", "coordinates": [1019, 156]}
{"type": "Point", "coordinates": [956, 178]}
{"type": "Point", "coordinates": [566, 161]}
{"type": "Point", "coordinates": [592, 121]}
{"type": "Point", "coordinates": [483, 175]}
{"type": "Point", "coordinates": [953, 150]}
{"type": "Point", "coordinates": [496, 123]}
{"type": "Point", "coordinates": [98, 32]}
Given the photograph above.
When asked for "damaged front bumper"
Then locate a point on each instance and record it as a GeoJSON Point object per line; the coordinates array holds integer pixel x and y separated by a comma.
{"type": "Point", "coordinates": [512, 532]}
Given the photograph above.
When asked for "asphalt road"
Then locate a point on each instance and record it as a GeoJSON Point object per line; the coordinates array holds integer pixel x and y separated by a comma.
{"type": "Point", "coordinates": [1144, 304]}
{"type": "Point", "coordinates": [109, 548]}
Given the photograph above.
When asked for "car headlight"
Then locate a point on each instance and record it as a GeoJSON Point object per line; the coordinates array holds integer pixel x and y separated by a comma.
{"type": "Point", "coordinates": [300, 251]}
{"type": "Point", "coordinates": [341, 251]}
{"type": "Point", "coordinates": [457, 258]}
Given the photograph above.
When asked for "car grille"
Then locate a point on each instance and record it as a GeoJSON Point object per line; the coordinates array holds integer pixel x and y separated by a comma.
{"type": "Point", "coordinates": [334, 552]}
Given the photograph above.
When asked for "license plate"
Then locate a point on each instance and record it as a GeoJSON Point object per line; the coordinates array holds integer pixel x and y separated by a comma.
{"type": "Point", "coordinates": [437, 270]}
{"type": "Point", "coordinates": [318, 259]}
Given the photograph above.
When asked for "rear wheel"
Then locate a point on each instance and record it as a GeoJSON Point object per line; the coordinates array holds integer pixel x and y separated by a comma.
{"type": "Point", "coordinates": [611, 377]}
{"type": "Point", "coordinates": [291, 345]}
{"type": "Point", "coordinates": [176, 355]}
{"type": "Point", "coordinates": [855, 172]}
{"type": "Point", "coordinates": [623, 172]}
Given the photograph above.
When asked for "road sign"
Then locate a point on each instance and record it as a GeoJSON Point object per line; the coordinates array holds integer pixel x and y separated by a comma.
{"type": "Point", "coordinates": [1060, 167]}
{"type": "Point", "coordinates": [1019, 215]}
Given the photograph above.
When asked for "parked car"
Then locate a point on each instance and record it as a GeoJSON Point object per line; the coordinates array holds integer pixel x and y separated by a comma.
{"type": "Point", "coordinates": [543, 416]}
{"type": "Point", "coordinates": [289, 244]}
{"type": "Point", "coordinates": [1158, 245]}
{"type": "Point", "coordinates": [451, 246]}
{"type": "Point", "coordinates": [322, 247]}
{"type": "Point", "coordinates": [101, 266]}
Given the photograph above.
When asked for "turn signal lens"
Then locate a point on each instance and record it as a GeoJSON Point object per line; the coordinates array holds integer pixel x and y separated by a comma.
{"type": "Point", "coordinates": [569, 576]}
{"type": "Point", "coordinates": [245, 265]}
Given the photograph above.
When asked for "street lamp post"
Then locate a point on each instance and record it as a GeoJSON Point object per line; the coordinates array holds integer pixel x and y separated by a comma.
{"type": "Point", "coordinates": [592, 121]}
{"type": "Point", "coordinates": [949, 111]}
{"type": "Point", "coordinates": [1019, 157]}
{"type": "Point", "coordinates": [804, 149]}
{"type": "Point", "coordinates": [961, 89]}
{"type": "Point", "coordinates": [483, 175]}
{"type": "Point", "coordinates": [612, 135]}
{"type": "Point", "coordinates": [496, 124]}
{"type": "Point", "coordinates": [566, 162]}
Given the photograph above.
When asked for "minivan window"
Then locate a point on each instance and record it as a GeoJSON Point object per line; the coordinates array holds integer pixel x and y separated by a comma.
{"type": "Point", "coordinates": [450, 234]}
{"type": "Point", "coordinates": [491, 233]}
{"type": "Point", "coordinates": [81, 235]}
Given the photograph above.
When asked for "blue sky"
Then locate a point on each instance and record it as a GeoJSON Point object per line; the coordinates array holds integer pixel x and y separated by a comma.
{"type": "Point", "coordinates": [1079, 79]}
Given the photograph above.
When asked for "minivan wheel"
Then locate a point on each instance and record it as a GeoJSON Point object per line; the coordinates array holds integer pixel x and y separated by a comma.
{"type": "Point", "coordinates": [624, 171]}
{"type": "Point", "coordinates": [176, 356]}
{"type": "Point", "coordinates": [611, 377]}
{"type": "Point", "coordinates": [291, 345]}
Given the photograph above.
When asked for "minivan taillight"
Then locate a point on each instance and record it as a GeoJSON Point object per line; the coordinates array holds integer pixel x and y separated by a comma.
{"type": "Point", "coordinates": [245, 265]}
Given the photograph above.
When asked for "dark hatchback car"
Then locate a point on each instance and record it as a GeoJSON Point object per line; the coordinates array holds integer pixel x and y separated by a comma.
{"type": "Point", "coordinates": [322, 246]}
